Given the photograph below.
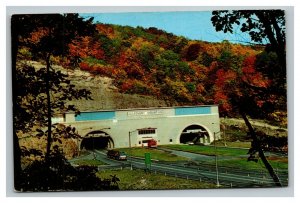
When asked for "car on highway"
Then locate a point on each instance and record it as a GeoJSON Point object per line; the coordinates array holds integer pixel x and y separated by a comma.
{"type": "Point", "coordinates": [117, 155]}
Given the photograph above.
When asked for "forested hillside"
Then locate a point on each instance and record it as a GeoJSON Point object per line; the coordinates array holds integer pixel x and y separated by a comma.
{"type": "Point", "coordinates": [151, 62]}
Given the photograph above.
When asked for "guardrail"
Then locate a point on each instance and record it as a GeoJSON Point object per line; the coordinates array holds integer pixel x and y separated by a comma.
{"type": "Point", "coordinates": [226, 184]}
{"type": "Point", "coordinates": [226, 178]}
{"type": "Point", "coordinates": [225, 169]}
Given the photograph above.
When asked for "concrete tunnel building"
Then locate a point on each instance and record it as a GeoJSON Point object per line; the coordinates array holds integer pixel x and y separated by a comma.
{"type": "Point", "coordinates": [134, 127]}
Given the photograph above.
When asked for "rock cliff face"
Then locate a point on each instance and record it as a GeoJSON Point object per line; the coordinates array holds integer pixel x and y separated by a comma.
{"type": "Point", "coordinates": [106, 96]}
{"type": "Point", "coordinates": [104, 93]}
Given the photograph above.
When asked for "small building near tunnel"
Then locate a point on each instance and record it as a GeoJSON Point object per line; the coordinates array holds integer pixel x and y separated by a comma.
{"type": "Point", "coordinates": [134, 127]}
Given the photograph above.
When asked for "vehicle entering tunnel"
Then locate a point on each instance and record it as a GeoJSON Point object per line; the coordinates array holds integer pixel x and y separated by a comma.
{"type": "Point", "coordinates": [97, 140]}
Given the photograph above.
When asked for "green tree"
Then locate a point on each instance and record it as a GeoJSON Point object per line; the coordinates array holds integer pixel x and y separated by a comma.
{"type": "Point", "coordinates": [147, 55]}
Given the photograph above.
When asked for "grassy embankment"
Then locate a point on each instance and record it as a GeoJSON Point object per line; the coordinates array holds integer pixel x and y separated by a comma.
{"type": "Point", "coordinates": [208, 150]}
{"type": "Point", "coordinates": [231, 157]}
{"type": "Point", "coordinates": [155, 154]}
{"type": "Point", "coordinates": [228, 157]}
{"type": "Point", "coordinates": [139, 180]}
{"type": "Point", "coordinates": [242, 163]}
{"type": "Point", "coordinates": [234, 144]}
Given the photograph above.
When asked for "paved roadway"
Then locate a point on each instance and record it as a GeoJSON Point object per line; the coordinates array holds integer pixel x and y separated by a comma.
{"type": "Point", "coordinates": [227, 177]}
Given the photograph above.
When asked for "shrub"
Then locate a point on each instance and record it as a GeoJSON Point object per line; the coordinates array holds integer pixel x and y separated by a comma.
{"type": "Point", "coordinates": [57, 174]}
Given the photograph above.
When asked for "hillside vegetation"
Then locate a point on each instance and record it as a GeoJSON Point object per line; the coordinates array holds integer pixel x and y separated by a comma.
{"type": "Point", "coordinates": [126, 67]}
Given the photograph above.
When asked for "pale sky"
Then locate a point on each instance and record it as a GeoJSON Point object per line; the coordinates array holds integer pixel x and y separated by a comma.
{"type": "Point", "coordinates": [194, 25]}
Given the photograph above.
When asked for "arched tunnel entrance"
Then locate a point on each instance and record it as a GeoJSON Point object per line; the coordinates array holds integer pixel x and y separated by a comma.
{"type": "Point", "coordinates": [194, 134]}
{"type": "Point", "coordinates": [97, 140]}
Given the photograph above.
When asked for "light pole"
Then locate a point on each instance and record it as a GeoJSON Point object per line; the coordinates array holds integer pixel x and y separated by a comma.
{"type": "Point", "coordinates": [216, 159]}
{"type": "Point", "coordinates": [129, 134]}
{"type": "Point", "coordinates": [129, 144]}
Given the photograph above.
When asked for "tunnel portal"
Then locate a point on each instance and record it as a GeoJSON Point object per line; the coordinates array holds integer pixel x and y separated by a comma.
{"type": "Point", "coordinates": [195, 134]}
{"type": "Point", "coordinates": [97, 140]}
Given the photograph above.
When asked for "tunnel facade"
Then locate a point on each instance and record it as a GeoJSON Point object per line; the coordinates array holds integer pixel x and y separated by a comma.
{"type": "Point", "coordinates": [135, 127]}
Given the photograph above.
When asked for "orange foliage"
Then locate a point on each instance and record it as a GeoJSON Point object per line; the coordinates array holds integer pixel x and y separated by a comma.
{"type": "Point", "coordinates": [140, 42]}
{"type": "Point", "coordinates": [38, 34]}
{"type": "Point", "coordinates": [200, 70]}
{"type": "Point", "coordinates": [85, 47]}
{"type": "Point", "coordinates": [128, 61]}
{"type": "Point", "coordinates": [200, 88]}
{"type": "Point", "coordinates": [243, 50]}
{"type": "Point", "coordinates": [106, 30]}
{"type": "Point", "coordinates": [221, 98]}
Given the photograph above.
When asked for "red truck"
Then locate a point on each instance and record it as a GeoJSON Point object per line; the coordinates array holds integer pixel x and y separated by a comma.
{"type": "Point", "coordinates": [152, 143]}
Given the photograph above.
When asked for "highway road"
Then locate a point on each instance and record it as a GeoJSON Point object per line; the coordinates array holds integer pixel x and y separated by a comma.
{"type": "Point", "coordinates": [227, 177]}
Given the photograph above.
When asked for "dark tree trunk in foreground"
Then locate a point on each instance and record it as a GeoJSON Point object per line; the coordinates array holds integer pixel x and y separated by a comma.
{"type": "Point", "coordinates": [17, 161]}
{"type": "Point", "coordinates": [16, 146]}
{"type": "Point", "coordinates": [257, 146]}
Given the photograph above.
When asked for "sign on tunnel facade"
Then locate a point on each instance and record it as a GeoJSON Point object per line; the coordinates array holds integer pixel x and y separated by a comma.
{"type": "Point", "coordinates": [135, 127]}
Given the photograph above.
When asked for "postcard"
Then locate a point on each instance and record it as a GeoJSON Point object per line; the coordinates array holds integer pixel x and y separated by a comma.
{"type": "Point", "coordinates": [149, 100]}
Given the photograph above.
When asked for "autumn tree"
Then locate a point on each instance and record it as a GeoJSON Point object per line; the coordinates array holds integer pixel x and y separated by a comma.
{"type": "Point", "coordinates": [252, 89]}
{"type": "Point", "coordinates": [193, 52]}
{"type": "Point", "coordinates": [85, 47]}
{"type": "Point", "coordinates": [244, 91]}
{"type": "Point", "coordinates": [36, 93]}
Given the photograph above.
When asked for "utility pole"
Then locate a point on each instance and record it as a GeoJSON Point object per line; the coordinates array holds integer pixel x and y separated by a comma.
{"type": "Point", "coordinates": [216, 160]}
{"type": "Point", "coordinates": [129, 134]}
{"type": "Point", "coordinates": [129, 143]}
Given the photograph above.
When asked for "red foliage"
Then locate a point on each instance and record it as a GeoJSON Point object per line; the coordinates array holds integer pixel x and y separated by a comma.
{"type": "Point", "coordinates": [127, 85]}
{"type": "Point", "coordinates": [85, 47]}
{"type": "Point", "coordinates": [84, 66]}
{"type": "Point", "coordinates": [122, 60]}
{"type": "Point", "coordinates": [222, 99]}
{"type": "Point", "coordinates": [260, 103]}
{"type": "Point", "coordinates": [251, 76]}
{"type": "Point", "coordinates": [224, 77]}
{"type": "Point", "coordinates": [235, 84]}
